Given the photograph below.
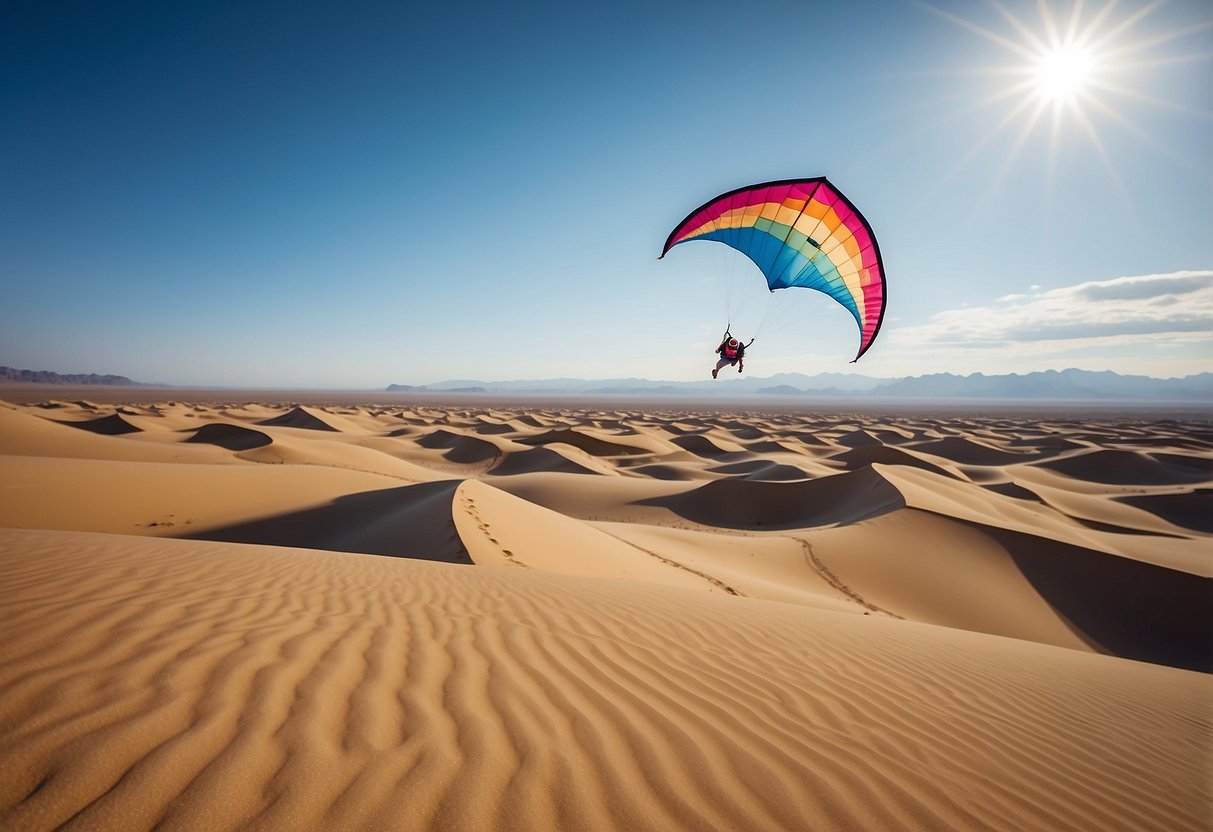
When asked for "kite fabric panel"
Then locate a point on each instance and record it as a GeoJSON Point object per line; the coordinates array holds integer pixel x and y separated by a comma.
{"type": "Point", "coordinates": [799, 232]}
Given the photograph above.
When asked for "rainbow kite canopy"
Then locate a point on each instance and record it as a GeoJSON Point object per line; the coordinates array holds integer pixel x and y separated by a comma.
{"type": "Point", "coordinates": [799, 232]}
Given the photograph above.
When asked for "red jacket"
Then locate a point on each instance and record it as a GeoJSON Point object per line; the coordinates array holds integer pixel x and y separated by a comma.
{"type": "Point", "coordinates": [736, 355]}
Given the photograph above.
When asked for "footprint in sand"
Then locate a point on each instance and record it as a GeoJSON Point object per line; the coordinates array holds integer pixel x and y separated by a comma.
{"type": "Point", "coordinates": [469, 505]}
{"type": "Point", "coordinates": [822, 571]}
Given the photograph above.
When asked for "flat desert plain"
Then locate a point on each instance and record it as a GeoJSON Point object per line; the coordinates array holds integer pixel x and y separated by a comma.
{"type": "Point", "coordinates": [231, 614]}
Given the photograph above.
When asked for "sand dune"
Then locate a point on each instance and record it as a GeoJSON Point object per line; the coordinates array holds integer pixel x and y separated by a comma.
{"type": "Point", "coordinates": [745, 504]}
{"type": "Point", "coordinates": [460, 448]}
{"type": "Point", "coordinates": [412, 521]}
{"type": "Point", "coordinates": [301, 417]}
{"type": "Point", "coordinates": [112, 425]}
{"type": "Point", "coordinates": [1134, 468]}
{"type": "Point", "coordinates": [25, 434]}
{"type": "Point", "coordinates": [586, 441]}
{"type": "Point", "coordinates": [232, 437]}
{"type": "Point", "coordinates": [1188, 509]}
{"type": "Point", "coordinates": [541, 459]}
{"type": "Point", "coordinates": [235, 686]}
{"type": "Point", "coordinates": [427, 617]}
{"type": "Point", "coordinates": [970, 451]}
{"type": "Point", "coordinates": [763, 470]}
{"type": "Point", "coordinates": [709, 447]}
{"type": "Point", "coordinates": [864, 456]}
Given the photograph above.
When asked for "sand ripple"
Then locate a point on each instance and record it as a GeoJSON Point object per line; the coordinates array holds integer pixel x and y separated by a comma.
{"type": "Point", "coordinates": [177, 684]}
{"type": "Point", "coordinates": [600, 618]}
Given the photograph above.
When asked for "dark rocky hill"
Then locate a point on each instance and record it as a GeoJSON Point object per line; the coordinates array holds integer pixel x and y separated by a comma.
{"type": "Point", "coordinates": [11, 375]}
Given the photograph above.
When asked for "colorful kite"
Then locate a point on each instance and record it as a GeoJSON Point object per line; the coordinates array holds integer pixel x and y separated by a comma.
{"type": "Point", "coordinates": [799, 232]}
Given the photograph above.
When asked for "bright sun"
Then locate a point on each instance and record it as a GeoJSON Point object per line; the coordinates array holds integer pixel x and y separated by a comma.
{"type": "Point", "coordinates": [1072, 67]}
{"type": "Point", "coordinates": [1062, 73]}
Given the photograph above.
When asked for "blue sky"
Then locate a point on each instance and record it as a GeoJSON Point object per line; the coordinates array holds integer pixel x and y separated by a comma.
{"type": "Point", "coordinates": [301, 195]}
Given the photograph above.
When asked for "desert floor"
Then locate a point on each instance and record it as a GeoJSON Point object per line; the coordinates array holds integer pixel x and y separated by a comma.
{"type": "Point", "coordinates": [222, 612]}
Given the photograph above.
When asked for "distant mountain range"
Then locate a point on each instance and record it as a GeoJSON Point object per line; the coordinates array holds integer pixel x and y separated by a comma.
{"type": "Point", "coordinates": [1052, 385]}
{"type": "Point", "coordinates": [15, 376]}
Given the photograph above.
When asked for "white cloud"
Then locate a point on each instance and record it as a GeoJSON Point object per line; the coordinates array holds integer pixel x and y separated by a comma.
{"type": "Point", "coordinates": [1177, 303]}
{"type": "Point", "coordinates": [1159, 324]}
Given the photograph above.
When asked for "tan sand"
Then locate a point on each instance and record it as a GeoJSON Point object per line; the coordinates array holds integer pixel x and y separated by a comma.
{"type": "Point", "coordinates": [427, 617]}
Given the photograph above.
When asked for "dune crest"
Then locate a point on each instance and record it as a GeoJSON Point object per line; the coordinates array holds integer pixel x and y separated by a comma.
{"type": "Point", "coordinates": [300, 417]}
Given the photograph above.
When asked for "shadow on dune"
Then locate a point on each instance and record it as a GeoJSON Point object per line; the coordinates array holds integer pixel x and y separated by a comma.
{"type": "Point", "coordinates": [112, 425]}
{"type": "Point", "coordinates": [1122, 606]}
{"type": "Point", "coordinates": [858, 439]}
{"type": "Point", "coordinates": [861, 457]}
{"type": "Point", "coordinates": [761, 469]}
{"type": "Point", "coordinates": [743, 432]}
{"type": "Point", "coordinates": [538, 459]}
{"type": "Point", "coordinates": [767, 446]}
{"type": "Point", "coordinates": [413, 521]}
{"type": "Point", "coordinates": [669, 473]}
{"type": "Point", "coordinates": [704, 447]}
{"type": "Point", "coordinates": [232, 437]}
{"type": "Point", "coordinates": [491, 428]}
{"type": "Point", "coordinates": [1010, 489]}
{"type": "Point", "coordinates": [590, 444]}
{"type": "Point", "coordinates": [464, 450]}
{"type": "Point", "coordinates": [967, 452]}
{"type": "Point", "coordinates": [298, 417]}
{"type": "Point", "coordinates": [754, 504]}
{"type": "Point", "coordinates": [1190, 511]}
{"type": "Point", "coordinates": [1113, 467]}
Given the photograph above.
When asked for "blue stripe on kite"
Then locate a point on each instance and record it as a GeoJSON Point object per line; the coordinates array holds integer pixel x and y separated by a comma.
{"type": "Point", "coordinates": [784, 267]}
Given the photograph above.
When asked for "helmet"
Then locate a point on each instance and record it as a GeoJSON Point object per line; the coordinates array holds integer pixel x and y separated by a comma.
{"type": "Point", "coordinates": [733, 343]}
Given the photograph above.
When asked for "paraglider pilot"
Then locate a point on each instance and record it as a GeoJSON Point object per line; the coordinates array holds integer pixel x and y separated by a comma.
{"type": "Point", "coordinates": [732, 352]}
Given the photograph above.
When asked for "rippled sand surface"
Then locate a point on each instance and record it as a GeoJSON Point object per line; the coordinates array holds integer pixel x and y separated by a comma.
{"type": "Point", "coordinates": [267, 615]}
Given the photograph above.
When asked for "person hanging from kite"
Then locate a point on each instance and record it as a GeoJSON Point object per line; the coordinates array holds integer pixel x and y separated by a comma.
{"type": "Point", "coordinates": [731, 352]}
{"type": "Point", "coordinates": [800, 233]}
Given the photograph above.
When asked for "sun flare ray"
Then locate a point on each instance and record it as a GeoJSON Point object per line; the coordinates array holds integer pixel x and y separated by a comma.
{"type": "Point", "coordinates": [1034, 43]}
{"type": "Point", "coordinates": [1145, 138]}
{"type": "Point", "coordinates": [1080, 115]}
{"type": "Point", "coordinates": [1006, 43]}
{"type": "Point", "coordinates": [1113, 53]}
{"type": "Point", "coordinates": [1081, 63]}
{"type": "Point", "coordinates": [990, 135]}
{"type": "Point", "coordinates": [1124, 25]}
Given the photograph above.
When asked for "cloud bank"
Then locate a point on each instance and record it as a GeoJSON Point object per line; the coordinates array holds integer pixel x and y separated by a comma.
{"type": "Point", "coordinates": [1161, 324]}
{"type": "Point", "coordinates": [1179, 303]}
